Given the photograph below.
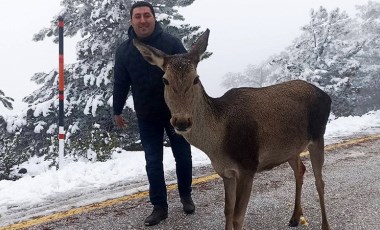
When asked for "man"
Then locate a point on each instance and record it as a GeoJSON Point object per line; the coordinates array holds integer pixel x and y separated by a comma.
{"type": "Point", "coordinates": [153, 115]}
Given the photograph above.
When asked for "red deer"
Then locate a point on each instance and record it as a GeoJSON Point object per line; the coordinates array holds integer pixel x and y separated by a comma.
{"type": "Point", "coordinates": [247, 130]}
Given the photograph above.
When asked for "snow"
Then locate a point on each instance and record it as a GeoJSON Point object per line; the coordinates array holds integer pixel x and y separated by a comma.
{"type": "Point", "coordinates": [39, 127]}
{"type": "Point", "coordinates": [347, 126]}
{"type": "Point", "coordinates": [41, 183]}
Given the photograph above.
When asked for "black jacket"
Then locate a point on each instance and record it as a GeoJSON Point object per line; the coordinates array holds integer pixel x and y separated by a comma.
{"type": "Point", "coordinates": [131, 70]}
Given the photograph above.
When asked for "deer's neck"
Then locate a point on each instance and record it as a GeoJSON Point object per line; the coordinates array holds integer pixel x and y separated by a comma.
{"type": "Point", "coordinates": [207, 124]}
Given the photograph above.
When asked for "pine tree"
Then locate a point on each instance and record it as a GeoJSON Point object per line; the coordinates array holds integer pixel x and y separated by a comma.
{"type": "Point", "coordinates": [6, 101]}
{"type": "Point", "coordinates": [253, 76]}
{"type": "Point", "coordinates": [324, 54]}
{"type": "Point", "coordinates": [6, 160]}
{"type": "Point", "coordinates": [102, 25]}
{"type": "Point", "coordinates": [335, 52]}
{"type": "Point", "coordinates": [368, 81]}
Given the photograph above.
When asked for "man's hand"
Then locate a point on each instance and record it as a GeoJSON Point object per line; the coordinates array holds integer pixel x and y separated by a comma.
{"type": "Point", "coordinates": [120, 122]}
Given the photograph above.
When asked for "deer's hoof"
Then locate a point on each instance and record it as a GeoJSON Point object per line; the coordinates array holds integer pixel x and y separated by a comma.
{"type": "Point", "coordinates": [293, 223]}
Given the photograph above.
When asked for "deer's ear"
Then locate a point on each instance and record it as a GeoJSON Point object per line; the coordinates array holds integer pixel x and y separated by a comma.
{"type": "Point", "coordinates": [152, 55]}
{"type": "Point", "coordinates": [200, 45]}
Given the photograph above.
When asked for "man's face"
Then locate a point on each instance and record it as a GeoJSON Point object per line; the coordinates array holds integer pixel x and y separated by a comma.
{"type": "Point", "coordinates": [143, 21]}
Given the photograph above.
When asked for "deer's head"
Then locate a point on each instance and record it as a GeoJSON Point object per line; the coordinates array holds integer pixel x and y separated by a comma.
{"type": "Point", "coordinates": [181, 79]}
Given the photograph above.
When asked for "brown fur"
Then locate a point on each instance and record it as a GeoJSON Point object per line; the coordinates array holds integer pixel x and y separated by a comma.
{"type": "Point", "coordinates": [247, 129]}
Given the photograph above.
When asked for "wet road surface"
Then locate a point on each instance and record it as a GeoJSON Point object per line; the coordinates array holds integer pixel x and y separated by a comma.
{"type": "Point", "coordinates": [352, 193]}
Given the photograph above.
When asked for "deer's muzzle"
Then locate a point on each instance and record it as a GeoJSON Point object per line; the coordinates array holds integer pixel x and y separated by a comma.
{"type": "Point", "coordinates": [181, 124]}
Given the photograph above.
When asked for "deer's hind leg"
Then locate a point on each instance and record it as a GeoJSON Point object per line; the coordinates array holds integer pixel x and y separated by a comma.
{"type": "Point", "coordinates": [316, 149]}
{"type": "Point", "coordinates": [299, 171]}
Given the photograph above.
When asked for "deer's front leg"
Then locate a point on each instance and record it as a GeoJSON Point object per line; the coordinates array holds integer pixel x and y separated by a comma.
{"type": "Point", "coordinates": [243, 193]}
{"type": "Point", "coordinates": [230, 181]}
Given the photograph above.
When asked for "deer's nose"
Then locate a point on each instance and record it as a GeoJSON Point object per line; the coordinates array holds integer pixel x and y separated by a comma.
{"type": "Point", "coordinates": [181, 124]}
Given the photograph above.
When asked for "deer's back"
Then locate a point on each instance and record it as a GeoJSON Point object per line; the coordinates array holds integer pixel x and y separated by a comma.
{"type": "Point", "coordinates": [264, 126]}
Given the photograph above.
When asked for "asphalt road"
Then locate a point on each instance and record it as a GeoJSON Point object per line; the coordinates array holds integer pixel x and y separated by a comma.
{"type": "Point", "coordinates": [352, 193]}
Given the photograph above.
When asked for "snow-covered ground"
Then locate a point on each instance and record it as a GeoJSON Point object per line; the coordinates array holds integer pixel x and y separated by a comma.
{"type": "Point", "coordinates": [44, 190]}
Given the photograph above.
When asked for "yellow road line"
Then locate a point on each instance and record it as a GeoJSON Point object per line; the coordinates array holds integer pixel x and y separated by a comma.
{"type": "Point", "coordinates": [347, 143]}
{"type": "Point", "coordinates": [99, 205]}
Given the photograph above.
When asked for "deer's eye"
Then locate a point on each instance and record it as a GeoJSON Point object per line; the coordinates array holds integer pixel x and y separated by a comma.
{"type": "Point", "coordinates": [196, 81]}
{"type": "Point", "coordinates": [166, 82]}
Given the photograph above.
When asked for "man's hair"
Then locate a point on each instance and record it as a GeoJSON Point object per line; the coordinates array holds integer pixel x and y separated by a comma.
{"type": "Point", "coordinates": [141, 4]}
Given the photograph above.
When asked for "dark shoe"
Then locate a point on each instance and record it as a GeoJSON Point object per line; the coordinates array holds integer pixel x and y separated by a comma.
{"type": "Point", "coordinates": [159, 213]}
{"type": "Point", "coordinates": [188, 204]}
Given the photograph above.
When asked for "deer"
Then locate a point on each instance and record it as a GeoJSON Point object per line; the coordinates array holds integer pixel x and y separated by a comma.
{"type": "Point", "coordinates": [247, 130]}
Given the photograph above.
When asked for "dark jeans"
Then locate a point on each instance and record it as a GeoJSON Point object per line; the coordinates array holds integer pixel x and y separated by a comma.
{"type": "Point", "coordinates": [152, 134]}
